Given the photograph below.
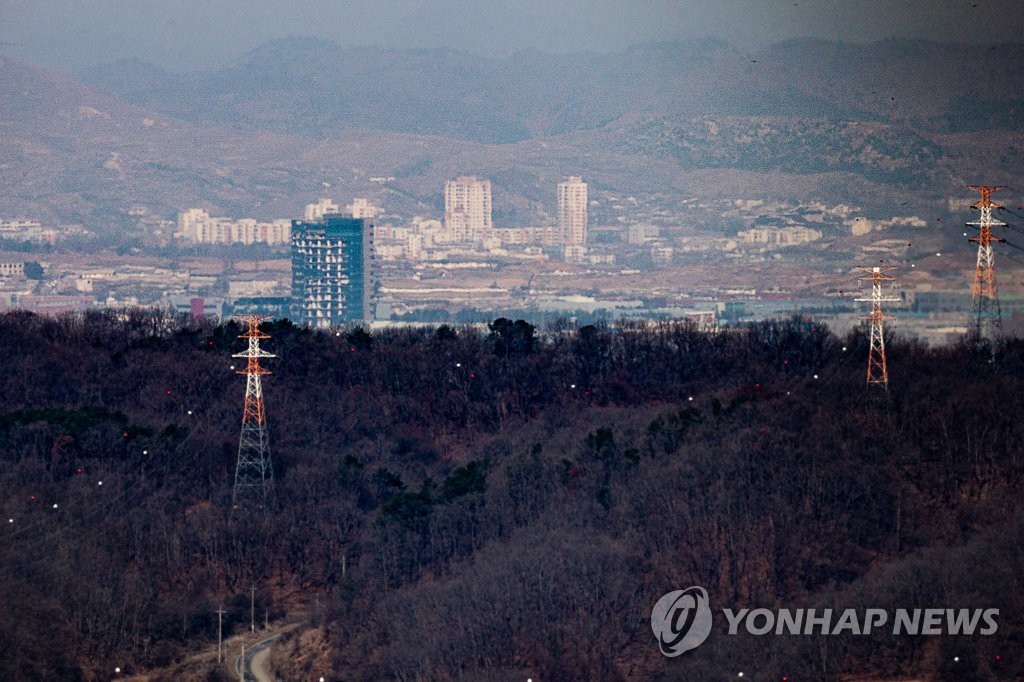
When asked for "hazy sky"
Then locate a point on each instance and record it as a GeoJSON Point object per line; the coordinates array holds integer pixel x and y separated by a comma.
{"type": "Point", "coordinates": [187, 34]}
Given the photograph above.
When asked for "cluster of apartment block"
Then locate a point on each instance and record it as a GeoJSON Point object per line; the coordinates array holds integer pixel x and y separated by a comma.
{"type": "Point", "coordinates": [467, 216]}
{"type": "Point", "coordinates": [26, 230]}
{"type": "Point", "coordinates": [200, 227]}
{"type": "Point", "coordinates": [333, 248]}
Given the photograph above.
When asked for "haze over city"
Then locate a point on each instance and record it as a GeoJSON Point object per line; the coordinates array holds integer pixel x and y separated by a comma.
{"type": "Point", "coordinates": [190, 35]}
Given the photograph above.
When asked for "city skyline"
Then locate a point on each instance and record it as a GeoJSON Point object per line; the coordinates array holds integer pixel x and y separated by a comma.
{"type": "Point", "coordinates": [704, 182]}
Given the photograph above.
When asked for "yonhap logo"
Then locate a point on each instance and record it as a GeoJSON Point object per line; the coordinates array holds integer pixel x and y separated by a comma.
{"type": "Point", "coordinates": [681, 620]}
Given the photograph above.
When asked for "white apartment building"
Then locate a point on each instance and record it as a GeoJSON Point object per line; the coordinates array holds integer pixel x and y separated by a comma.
{"type": "Point", "coordinates": [778, 236]}
{"type": "Point", "coordinates": [572, 211]}
{"type": "Point", "coordinates": [321, 208]}
{"type": "Point", "coordinates": [361, 208]}
{"type": "Point", "coordinates": [197, 225]}
{"type": "Point", "coordinates": [11, 269]}
{"type": "Point", "coordinates": [467, 209]}
{"type": "Point", "coordinates": [22, 230]}
{"type": "Point", "coordinates": [574, 253]}
{"type": "Point", "coordinates": [416, 246]}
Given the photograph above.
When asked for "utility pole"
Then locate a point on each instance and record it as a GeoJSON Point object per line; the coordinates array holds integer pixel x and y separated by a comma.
{"type": "Point", "coordinates": [220, 632]}
{"type": "Point", "coordinates": [986, 318]}
{"type": "Point", "coordinates": [878, 371]}
{"type": "Point", "coordinates": [254, 475]}
{"type": "Point", "coordinates": [252, 608]}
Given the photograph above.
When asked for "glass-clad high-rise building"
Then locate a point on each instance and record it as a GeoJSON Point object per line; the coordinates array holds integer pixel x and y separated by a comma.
{"type": "Point", "coordinates": [332, 271]}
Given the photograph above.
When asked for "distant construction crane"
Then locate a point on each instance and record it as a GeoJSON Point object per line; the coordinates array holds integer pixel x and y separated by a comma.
{"type": "Point", "coordinates": [878, 371]}
{"type": "Point", "coordinates": [986, 318]}
{"type": "Point", "coordinates": [254, 475]}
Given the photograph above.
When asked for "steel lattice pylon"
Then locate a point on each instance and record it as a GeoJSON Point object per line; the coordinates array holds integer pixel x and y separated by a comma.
{"type": "Point", "coordinates": [254, 475]}
{"type": "Point", "coordinates": [878, 371]}
{"type": "Point", "coordinates": [986, 318]}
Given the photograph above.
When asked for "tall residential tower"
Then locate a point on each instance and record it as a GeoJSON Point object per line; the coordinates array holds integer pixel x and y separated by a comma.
{"type": "Point", "coordinates": [572, 211]}
{"type": "Point", "coordinates": [467, 209]}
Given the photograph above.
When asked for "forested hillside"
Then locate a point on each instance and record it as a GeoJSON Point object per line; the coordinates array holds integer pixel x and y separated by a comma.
{"type": "Point", "coordinates": [502, 503]}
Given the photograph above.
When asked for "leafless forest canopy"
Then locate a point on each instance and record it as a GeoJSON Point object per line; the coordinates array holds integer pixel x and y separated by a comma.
{"type": "Point", "coordinates": [469, 503]}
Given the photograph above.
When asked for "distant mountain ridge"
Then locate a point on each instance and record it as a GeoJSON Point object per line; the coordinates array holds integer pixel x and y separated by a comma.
{"type": "Point", "coordinates": [261, 136]}
{"type": "Point", "coordinates": [318, 88]}
{"type": "Point", "coordinates": [314, 87]}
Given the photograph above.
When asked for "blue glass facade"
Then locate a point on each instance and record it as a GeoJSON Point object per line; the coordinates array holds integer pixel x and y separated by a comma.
{"type": "Point", "coordinates": [332, 270]}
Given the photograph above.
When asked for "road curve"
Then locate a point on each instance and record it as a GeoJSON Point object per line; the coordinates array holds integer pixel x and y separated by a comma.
{"type": "Point", "coordinates": [244, 664]}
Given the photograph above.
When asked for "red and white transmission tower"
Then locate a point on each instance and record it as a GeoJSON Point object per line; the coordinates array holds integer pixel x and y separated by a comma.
{"type": "Point", "coordinates": [878, 372]}
{"type": "Point", "coordinates": [254, 475]}
{"type": "Point", "coordinates": [986, 320]}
